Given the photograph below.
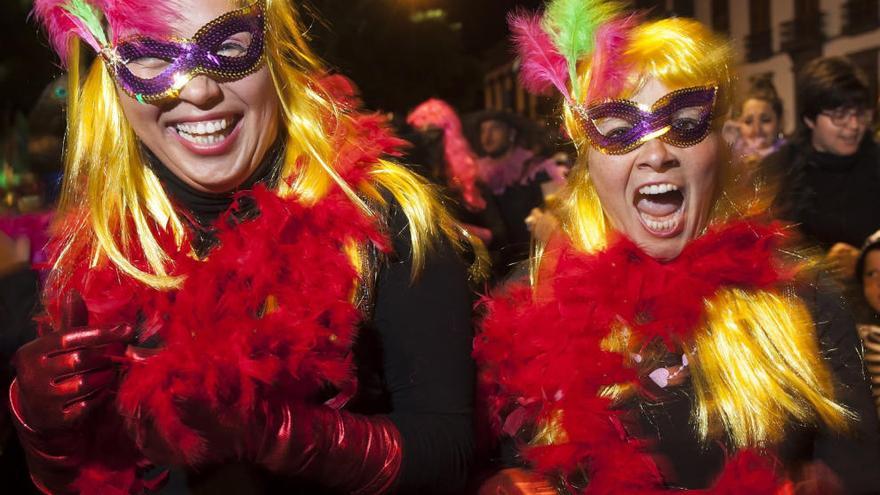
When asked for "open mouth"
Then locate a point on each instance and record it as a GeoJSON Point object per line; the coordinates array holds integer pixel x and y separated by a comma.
{"type": "Point", "coordinates": [206, 133]}
{"type": "Point", "coordinates": [661, 209]}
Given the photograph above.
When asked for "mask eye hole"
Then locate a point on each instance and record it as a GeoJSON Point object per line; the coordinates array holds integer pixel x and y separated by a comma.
{"type": "Point", "coordinates": [687, 119]}
{"type": "Point", "coordinates": [236, 45]}
{"type": "Point", "coordinates": [147, 67]}
{"type": "Point", "coordinates": [613, 127]}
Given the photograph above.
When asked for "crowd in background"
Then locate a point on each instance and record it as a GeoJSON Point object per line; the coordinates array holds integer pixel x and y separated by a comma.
{"type": "Point", "coordinates": [825, 177]}
{"type": "Point", "coordinates": [501, 174]}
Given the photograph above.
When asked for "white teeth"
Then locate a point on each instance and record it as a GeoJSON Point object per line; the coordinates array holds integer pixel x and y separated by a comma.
{"type": "Point", "coordinates": [202, 128]}
{"type": "Point", "coordinates": [658, 189]}
{"type": "Point", "coordinates": [662, 226]}
{"type": "Point", "coordinates": [202, 140]}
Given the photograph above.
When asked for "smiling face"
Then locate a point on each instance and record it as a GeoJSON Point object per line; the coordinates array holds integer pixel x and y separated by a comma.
{"type": "Point", "coordinates": [759, 124]}
{"type": "Point", "coordinates": [658, 195]}
{"type": "Point", "coordinates": [215, 134]}
{"type": "Point", "coordinates": [841, 139]}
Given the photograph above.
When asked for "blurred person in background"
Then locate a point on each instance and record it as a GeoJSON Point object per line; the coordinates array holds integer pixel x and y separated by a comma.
{"type": "Point", "coordinates": [19, 289]}
{"type": "Point", "coordinates": [829, 174]}
{"type": "Point", "coordinates": [519, 179]}
{"type": "Point", "coordinates": [868, 280]}
{"type": "Point", "coordinates": [758, 125]}
{"type": "Point", "coordinates": [442, 149]}
{"type": "Point", "coordinates": [46, 126]}
{"type": "Point", "coordinates": [27, 203]}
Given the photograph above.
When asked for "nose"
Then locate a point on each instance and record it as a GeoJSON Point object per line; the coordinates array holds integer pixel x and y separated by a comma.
{"type": "Point", "coordinates": [755, 127]}
{"type": "Point", "coordinates": [201, 91]}
{"type": "Point", "coordinates": [655, 154]}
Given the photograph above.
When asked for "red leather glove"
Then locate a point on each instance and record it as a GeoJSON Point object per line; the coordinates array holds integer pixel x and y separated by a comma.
{"type": "Point", "coordinates": [336, 449]}
{"type": "Point", "coordinates": [344, 451]}
{"type": "Point", "coordinates": [62, 377]}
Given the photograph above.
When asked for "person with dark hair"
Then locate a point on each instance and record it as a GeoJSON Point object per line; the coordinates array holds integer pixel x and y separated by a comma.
{"type": "Point", "coordinates": [829, 176]}
{"type": "Point", "coordinates": [759, 123]}
{"type": "Point", "coordinates": [515, 176]}
{"type": "Point", "coordinates": [868, 280]}
{"type": "Point", "coordinates": [447, 160]}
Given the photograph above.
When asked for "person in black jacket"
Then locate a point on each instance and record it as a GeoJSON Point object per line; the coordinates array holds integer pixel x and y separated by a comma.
{"type": "Point", "coordinates": [246, 293]}
{"type": "Point", "coordinates": [829, 175]}
{"type": "Point", "coordinates": [517, 178]}
{"type": "Point", "coordinates": [19, 289]}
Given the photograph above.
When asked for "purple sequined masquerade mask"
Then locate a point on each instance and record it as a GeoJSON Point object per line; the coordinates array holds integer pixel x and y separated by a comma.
{"type": "Point", "coordinates": [228, 48]}
{"type": "Point", "coordinates": [681, 118]}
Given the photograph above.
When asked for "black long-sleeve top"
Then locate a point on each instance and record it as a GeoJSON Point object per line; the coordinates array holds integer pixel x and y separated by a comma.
{"type": "Point", "coordinates": [19, 290]}
{"type": "Point", "coordinates": [854, 457]}
{"type": "Point", "coordinates": [413, 364]}
{"type": "Point", "coordinates": [833, 198]}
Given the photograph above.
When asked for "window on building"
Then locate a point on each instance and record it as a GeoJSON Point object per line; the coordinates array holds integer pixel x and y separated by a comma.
{"type": "Point", "coordinates": [804, 34]}
{"type": "Point", "coordinates": [759, 43]}
{"type": "Point", "coordinates": [806, 9]}
{"type": "Point", "coordinates": [867, 61]}
{"type": "Point", "coordinates": [721, 16]}
{"type": "Point", "coordinates": [683, 8]}
{"type": "Point", "coordinates": [860, 16]}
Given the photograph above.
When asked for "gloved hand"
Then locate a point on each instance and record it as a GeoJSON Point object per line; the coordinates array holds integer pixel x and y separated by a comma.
{"type": "Point", "coordinates": [347, 452]}
{"type": "Point", "coordinates": [62, 377]}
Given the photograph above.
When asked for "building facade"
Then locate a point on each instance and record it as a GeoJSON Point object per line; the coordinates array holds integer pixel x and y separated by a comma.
{"type": "Point", "coordinates": [780, 36]}
{"type": "Point", "coordinates": [771, 37]}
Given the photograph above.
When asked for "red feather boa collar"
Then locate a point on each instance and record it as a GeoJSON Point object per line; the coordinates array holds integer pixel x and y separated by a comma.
{"type": "Point", "coordinates": [540, 350]}
{"type": "Point", "coordinates": [268, 315]}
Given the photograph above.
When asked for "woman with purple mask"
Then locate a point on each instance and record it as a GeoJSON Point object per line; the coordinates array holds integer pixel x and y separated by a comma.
{"type": "Point", "coordinates": [246, 293]}
{"type": "Point", "coordinates": [663, 342]}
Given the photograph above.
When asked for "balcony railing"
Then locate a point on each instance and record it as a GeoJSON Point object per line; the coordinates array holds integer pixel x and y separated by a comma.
{"type": "Point", "coordinates": [759, 46]}
{"type": "Point", "coordinates": [860, 16]}
{"type": "Point", "coordinates": [803, 34]}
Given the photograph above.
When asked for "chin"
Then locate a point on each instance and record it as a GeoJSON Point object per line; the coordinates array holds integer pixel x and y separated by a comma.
{"type": "Point", "coordinates": [664, 250]}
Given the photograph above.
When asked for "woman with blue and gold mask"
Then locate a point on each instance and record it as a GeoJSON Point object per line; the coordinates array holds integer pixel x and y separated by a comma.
{"type": "Point", "coordinates": [667, 339]}
{"type": "Point", "coordinates": [230, 227]}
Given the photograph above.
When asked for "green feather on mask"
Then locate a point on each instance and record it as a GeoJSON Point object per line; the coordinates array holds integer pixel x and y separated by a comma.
{"type": "Point", "coordinates": [572, 25]}
{"type": "Point", "coordinates": [89, 17]}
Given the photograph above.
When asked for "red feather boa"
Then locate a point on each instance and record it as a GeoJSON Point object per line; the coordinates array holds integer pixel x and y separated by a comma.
{"type": "Point", "coordinates": [268, 315]}
{"type": "Point", "coordinates": [540, 351]}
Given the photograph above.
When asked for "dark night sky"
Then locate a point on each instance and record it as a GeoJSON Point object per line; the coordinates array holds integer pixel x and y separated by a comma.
{"type": "Point", "coordinates": [395, 62]}
{"type": "Point", "coordinates": [398, 64]}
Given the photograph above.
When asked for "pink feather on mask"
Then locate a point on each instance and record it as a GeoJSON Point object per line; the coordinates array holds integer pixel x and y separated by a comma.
{"type": "Point", "coordinates": [542, 64]}
{"type": "Point", "coordinates": [150, 18]}
{"type": "Point", "coordinates": [61, 26]}
{"type": "Point", "coordinates": [123, 17]}
{"type": "Point", "coordinates": [609, 72]}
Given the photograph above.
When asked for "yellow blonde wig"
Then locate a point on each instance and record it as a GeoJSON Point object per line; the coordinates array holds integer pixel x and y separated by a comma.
{"type": "Point", "coordinates": [121, 201]}
{"type": "Point", "coordinates": [756, 364]}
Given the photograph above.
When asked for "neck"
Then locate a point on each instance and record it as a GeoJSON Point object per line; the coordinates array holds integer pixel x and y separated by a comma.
{"type": "Point", "coordinates": [206, 207]}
